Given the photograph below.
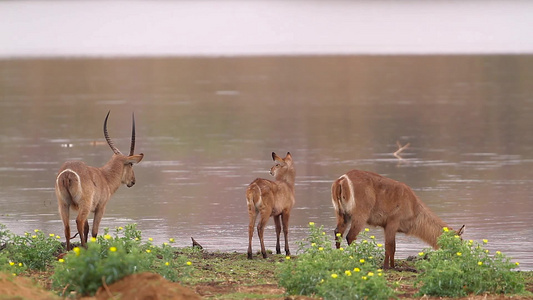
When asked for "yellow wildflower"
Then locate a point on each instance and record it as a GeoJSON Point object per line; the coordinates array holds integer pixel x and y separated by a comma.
{"type": "Point", "coordinates": [58, 237]}
{"type": "Point", "coordinates": [76, 250]}
{"type": "Point", "coordinates": [20, 264]}
{"type": "Point", "coordinates": [356, 270]}
{"type": "Point", "coordinates": [370, 274]}
{"type": "Point", "coordinates": [372, 237]}
{"type": "Point", "coordinates": [421, 253]}
{"type": "Point", "coordinates": [479, 263]}
{"type": "Point", "coordinates": [148, 250]}
{"type": "Point", "coordinates": [445, 229]}
{"type": "Point", "coordinates": [367, 230]}
{"type": "Point", "coordinates": [341, 249]}
{"type": "Point", "coordinates": [93, 239]}
{"type": "Point", "coordinates": [113, 249]}
{"type": "Point", "coordinates": [320, 248]}
{"type": "Point", "coordinates": [334, 275]}
{"type": "Point", "coordinates": [11, 263]}
{"type": "Point", "coordinates": [362, 260]}
{"type": "Point", "coordinates": [287, 257]}
{"type": "Point", "coordinates": [338, 234]}
{"type": "Point", "coordinates": [380, 245]}
{"type": "Point", "coordinates": [51, 235]}
{"type": "Point", "coordinates": [485, 241]}
{"type": "Point", "coordinates": [36, 230]}
{"type": "Point", "coordinates": [459, 253]}
{"type": "Point", "coordinates": [311, 223]}
{"type": "Point", "coordinates": [313, 244]}
{"type": "Point", "coordinates": [107, 237]}
{"type": "Point", "coordinates": [167, 263]}
{"type": "Point", "coordinates": [150, 239]}
{"type": "Point", "coordinates": [171, 240]}
{"type": "Point", "coordinates": [364, 278]}
{"type": "Point", "coordinates": [189, 263]}
{"type": "Point", "coordinates": [517, 263]}
{"type": "Point", "coordinates": [61, 260]}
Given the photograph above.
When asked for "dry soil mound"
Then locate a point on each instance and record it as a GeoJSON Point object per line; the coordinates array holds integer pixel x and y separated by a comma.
{"type": "Point", "coordinates": [146, 286]}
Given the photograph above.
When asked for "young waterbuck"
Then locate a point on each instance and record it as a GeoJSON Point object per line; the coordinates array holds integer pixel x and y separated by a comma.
{"type": "Point", "coordinates": [361, 197]}
{"type": "Point", "coordinates": [272, 199]}
{"type": "Point", "coordinates": [88, 189]}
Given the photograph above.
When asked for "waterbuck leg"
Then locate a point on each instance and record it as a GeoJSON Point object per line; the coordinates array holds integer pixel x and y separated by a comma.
{"type": "Point", "coordinates": [342, 223]}
{"type": "Point", "coordinates": [355, 228]}
{"type": "Point", "coordinates": [64, 211]}
{"type": "Point", "coordinates": [253, 216]}
{"type": "Point", "coordinates": [390, 244]}
{"type": "Point", "coordinates": [86, 232]}
{"type": "Point", "coordinates": [277, 221]}
{"type": "Point", "coordinates": [98, 214]}
{"type": "Point", "coordinates": [285, 219]}
{"type": "Point", "coordinates": [261, 230]}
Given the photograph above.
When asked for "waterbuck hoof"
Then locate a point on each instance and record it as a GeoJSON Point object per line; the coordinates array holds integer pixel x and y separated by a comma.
{"type": "Point", "coordinates": [264, 255]}
{"type": "Point", "coordinates": [250, 255]}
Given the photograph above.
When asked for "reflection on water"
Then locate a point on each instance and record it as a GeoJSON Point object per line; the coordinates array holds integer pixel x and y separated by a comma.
{"type": "Point", "coordinates": [207, 128]}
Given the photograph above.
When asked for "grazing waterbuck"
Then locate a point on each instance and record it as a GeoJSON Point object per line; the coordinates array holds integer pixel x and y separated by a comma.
{"type": "Point", "coordinates": [275, 199]}
{"type": "Point", "coordinates": [361, 197]}
{"type": "Point", "coordinates": [88, 189]}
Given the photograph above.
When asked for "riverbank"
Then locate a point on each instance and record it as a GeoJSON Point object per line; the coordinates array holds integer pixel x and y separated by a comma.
{"type": "Point", "coordinates": [220, 275]}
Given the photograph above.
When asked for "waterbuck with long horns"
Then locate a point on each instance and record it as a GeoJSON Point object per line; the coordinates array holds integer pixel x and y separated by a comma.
{"type": "Point", "coordinates": [88, 189]}
{"type": "Point", "coordinates": [272, 199]}
{"type": "Point", "coordinates": [361, 197]}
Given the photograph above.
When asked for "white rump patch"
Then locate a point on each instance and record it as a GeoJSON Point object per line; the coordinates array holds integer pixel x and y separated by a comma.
{"type": "Point", "coordinates": [349, 204]}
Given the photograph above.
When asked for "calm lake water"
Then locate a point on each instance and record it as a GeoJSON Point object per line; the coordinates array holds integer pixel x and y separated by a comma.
{"type": "Point", "coordinates": [207, 127]}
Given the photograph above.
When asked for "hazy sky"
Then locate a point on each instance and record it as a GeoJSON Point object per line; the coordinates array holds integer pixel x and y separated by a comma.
{"type": "Point", "coordinates": [112, 28]}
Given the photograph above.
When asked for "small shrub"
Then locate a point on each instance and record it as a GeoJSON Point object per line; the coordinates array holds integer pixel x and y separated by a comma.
{"type": "Point", "coordinates": [84, 270]}
{"type": "Point", "coordinates": [346, 273]}
{"type": "Point", "coordinates": [35, 250]}
{"type": "Point", "coordinates": [459, 268]}
{"type": "Point", "coordinates": [109, 258]}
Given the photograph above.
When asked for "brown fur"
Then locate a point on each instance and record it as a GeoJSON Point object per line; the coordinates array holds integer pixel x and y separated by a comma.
{"type": "Point", "coordinates": [88, 189]}
{"type": "Point", "coordinates": [381, 201]}
{"type": "Point", "coordinates": [272, 199]}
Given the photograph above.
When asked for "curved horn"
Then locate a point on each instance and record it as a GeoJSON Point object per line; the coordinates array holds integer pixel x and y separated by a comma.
{"type": "Point", "coordinates": [107, 138]}
{"type": "Point", "coordinates": [132, 148]}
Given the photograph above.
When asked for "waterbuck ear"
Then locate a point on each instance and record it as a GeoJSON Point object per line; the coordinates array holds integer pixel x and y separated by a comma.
{"type": "Point", "coordinates": [276, 157]}
{"type": "Point", "coordinates": [135, 159]}
{"type": "Point", "coordinates": [461, 230]}
{"type": "Point", "coordinates": [288, 156]}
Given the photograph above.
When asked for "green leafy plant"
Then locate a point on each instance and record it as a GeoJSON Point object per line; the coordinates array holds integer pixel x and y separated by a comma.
{"type": "Point", "coordinates": [35, 250]}
{"type": "Point", "coordinates": [346, 273]}
{"type": "Point", "coordinates": [459, 268]}
{"type": "Point", "coordinates": [109, 258]}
